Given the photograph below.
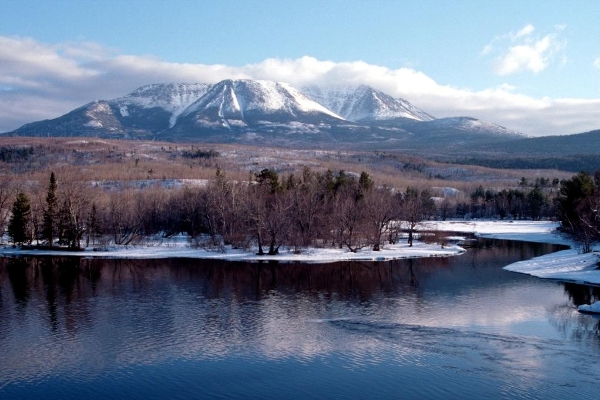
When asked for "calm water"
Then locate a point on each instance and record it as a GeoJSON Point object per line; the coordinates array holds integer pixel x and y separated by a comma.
{"type": "Point", "coordinates": [439, 328]}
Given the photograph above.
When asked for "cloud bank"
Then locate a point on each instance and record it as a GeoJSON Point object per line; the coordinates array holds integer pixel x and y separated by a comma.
{"type": "Point", "coordinates": [41, 81]}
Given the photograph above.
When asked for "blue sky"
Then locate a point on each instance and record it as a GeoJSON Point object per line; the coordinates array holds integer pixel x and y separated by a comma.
{"type": "Point", "coordinates": [532, 66]}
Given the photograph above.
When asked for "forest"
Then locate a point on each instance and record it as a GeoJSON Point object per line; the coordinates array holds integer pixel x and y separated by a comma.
{"type": "Point", "coordinates": [267, 211]}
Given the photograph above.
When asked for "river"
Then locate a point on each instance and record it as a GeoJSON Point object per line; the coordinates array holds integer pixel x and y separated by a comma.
{"type": "Point", "coordinates": [458, 327]}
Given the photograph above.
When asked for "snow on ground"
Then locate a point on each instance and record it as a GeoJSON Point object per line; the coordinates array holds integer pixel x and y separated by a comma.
{"type": "Point", "coordinates": [567, 265]}
{"type": "Point", "coordinates": [180, 248]}
{"type": "Point", "coordinates": [526, 231]}
{"type": "Point", "coordinates": [593, 308]}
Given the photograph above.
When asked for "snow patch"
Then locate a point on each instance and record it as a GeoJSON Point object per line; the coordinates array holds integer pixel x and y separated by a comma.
{"type": "Point", "coordinates": [593, 308]}
{"type": "Point", "coordinates": [179, 247]}
{"type": "Point", "coordinates": [566, 265]}
{"type": "Point", "coordinates": [93, 124]}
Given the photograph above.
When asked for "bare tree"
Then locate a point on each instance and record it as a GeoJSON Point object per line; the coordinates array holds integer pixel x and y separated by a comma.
{"type": "Point", "coordinates": [8, 190]}
{"type": "Point", "coordinates": [256, 213]}
{"type": "Point", "coordinates": [73, 213]}
{"type": "Point", "coordinates": [122, 221]}
{"type": "Point", "coordinates": [307, 207]}
{"type": "Point", "coordinates": [349, 215]}
{"type": "Point", "coordinates": [225, 200]}
{"type": "Point", "coordinates": [152, 206]}
{"type": "Point", "coordinates": [416, 207]}
{"type": "Point", "coordinates": [381, 210]}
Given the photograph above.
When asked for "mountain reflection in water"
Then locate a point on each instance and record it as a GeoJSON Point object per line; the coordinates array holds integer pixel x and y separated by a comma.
{"type": "Point", "coordinates": [73, 327]}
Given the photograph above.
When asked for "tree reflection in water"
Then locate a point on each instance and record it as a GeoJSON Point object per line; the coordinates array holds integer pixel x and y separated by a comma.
{"type": "Point", "coordinates": [58, 282]}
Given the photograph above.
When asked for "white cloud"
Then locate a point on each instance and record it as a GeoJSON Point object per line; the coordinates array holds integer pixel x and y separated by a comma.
{"type": "Point", "coordinates": [39, 81]}
{"type": "Point", "coordinates": [521, 51]}
{"type": "Point", "coordinates": [525, 31]}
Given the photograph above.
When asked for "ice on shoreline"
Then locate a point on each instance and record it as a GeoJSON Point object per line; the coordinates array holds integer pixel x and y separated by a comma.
{"type": "Point", "coordinates": [182, 249]}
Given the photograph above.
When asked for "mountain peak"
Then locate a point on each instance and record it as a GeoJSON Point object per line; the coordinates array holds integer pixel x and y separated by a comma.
{"type": "Point", "coordinates": [364, 104]}
{"type": "Point", "coordinates": [243, 101]}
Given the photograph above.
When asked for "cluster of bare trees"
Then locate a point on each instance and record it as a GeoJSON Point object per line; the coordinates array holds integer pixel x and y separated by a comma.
{"type": "Point", "coordinates": [309, 209]}
{"type": "Point", "coordinates": [269, 211]}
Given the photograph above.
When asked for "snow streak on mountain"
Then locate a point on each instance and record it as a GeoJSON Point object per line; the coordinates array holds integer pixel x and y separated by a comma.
{"type": "Point", "coordinates": [363, 104]}
{"type": "Point", "coordinates": [243, 103]}
{"type": "Point", "coordinates": [172, 97]}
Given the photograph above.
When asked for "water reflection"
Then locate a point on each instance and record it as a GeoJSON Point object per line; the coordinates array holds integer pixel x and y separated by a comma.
{"type": "Point", "coordinates": [58, 283]}
{"type": "Point", "coordinates": [582, 294]}
{"type": "Point", "coordinates": [86, 318]}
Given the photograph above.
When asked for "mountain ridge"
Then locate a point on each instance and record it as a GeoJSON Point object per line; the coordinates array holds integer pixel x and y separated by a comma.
{"type": "Point", "coordinates": [267, 112]}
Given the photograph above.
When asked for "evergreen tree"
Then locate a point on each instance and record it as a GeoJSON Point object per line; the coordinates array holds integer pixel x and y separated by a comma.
{"type": "Point", "coordinates": [49, 227]}
{"type": "Point", "coordinates": [365, 182]}
{"type": "Point", "coordinates": [18, 226]}
{"type": "Point", "coordinates": [536, 202]}
{"type": "Point", "coordinates": [63, 226]}
{"type": "Point", "coordinates": [577, 206]}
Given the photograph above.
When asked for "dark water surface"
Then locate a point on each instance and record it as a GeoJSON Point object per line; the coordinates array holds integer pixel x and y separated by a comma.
{"type": "Point", "coordinates": [459, 327]}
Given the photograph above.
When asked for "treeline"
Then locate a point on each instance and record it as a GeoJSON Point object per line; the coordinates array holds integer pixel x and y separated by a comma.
{"type": "Point", "coordinates": [533, 204]}
{"type": "Point", "coordinates": [15, 154]}
{"type": "Point", "coordinates": [574, 163]}
{"type": "Point", "coordinates": [269, 211]}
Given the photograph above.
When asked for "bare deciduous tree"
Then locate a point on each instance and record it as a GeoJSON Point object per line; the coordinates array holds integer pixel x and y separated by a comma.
{"type": "Point", "coordinates": [381, 210]}
{"type": "Point", "coordinates": [416, 207]}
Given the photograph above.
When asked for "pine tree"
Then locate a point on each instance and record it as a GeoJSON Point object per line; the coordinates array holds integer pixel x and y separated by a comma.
{"type": "Point", "coordinates": [18, 226]}
{"type": "Point", "coordinates": [50, 213]}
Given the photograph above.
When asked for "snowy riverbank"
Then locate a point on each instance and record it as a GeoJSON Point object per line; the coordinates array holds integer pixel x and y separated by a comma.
{"type": "Point", "coordinates": [567, 265]}
{"type": "Point", "coordinates": [179, 247]}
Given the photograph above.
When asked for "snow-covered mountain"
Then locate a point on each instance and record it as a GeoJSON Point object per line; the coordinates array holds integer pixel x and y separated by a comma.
{"type": "Point", "coordinates": [248, 104]}
{"type": "Point", "coordinates": [364, 104]}
{"type": "Point", "coordinates": [267, 112]}
{"type": "Point", "coordinates": [172, 97]}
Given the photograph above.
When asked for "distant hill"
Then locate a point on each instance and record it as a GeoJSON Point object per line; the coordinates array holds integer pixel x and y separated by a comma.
{"type": "Point", "coordinates": [577, 152]}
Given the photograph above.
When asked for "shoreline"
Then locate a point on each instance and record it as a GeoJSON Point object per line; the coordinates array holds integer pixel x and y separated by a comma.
{"type": "Point", "coordinates": [180, 248]}
{"type": "Point", "coordinates": [566, 265]}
